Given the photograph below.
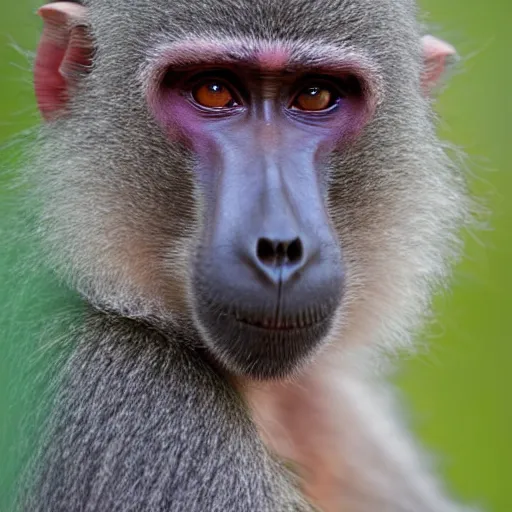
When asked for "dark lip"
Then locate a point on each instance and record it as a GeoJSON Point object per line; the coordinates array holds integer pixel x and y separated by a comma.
{"type": "Point", "coordinates": [271, 326]}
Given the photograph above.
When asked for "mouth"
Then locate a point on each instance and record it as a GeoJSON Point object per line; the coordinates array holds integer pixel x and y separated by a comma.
{"type": "Point", "coordinates": [262, 345]}
{"type": "Point", "coordinates": [273, 324]}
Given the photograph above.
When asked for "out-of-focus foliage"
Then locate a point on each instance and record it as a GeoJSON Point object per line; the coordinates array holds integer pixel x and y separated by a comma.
{"type": "Point", "coordinates": [460, 386]}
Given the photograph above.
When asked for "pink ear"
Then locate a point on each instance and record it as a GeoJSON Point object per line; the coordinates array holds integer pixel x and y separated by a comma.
{"type": "Point", "coordinates": [64, 49]}
{"type": "Point", "coordinates": [435, 55]}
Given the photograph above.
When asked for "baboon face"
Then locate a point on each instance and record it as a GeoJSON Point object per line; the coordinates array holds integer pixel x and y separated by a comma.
{"type": "Point", "coordinates": [271, 180]}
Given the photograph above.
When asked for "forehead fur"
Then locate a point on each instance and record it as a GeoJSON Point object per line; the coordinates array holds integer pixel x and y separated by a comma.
{"type": "Point", "coordinates": [338, 21]}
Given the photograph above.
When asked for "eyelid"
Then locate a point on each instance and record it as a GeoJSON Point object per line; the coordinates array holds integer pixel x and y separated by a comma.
{"type": "Point", "coordinates": [332, 83]}
{"type": "Point", "coordinates": [300, 113]}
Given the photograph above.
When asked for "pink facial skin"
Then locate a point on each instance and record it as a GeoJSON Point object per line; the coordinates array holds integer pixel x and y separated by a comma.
{"type": "Point", "coordinates": [273, 59]}
{"type": "Point", "coordinates": [267, 71]}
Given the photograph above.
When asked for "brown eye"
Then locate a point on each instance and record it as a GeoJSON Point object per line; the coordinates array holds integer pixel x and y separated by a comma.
{"type": "Point", "coordinates": [213, 94]}
{"type": "Point", "coordinates": [314, 99]}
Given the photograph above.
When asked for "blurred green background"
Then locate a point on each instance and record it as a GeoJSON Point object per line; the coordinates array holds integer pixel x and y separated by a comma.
{"type": "Point", "coordinates": [460, 386]}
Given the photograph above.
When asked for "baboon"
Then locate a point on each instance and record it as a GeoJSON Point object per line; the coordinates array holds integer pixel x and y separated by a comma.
{"type": "Point", "coordinates": [250, 200]}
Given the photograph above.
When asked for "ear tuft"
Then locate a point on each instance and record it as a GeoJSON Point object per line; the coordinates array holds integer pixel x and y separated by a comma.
{"type": "Point", "coordinates": [64, 52]}
{"type": "Point", "coordinates": [436, 56]}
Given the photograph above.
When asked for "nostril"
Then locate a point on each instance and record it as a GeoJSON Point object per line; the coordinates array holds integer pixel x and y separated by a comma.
{"type": "Point", "coordinates": [266, 251]}
{"type": "Point", "coordinates": [294, 251]}
{"type": "Point", "coordinates": [270, 252]}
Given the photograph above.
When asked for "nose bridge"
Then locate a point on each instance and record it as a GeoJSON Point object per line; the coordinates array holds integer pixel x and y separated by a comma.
{"type": "Point", "coordinates": [280, 222]}
{"type": "Point", "coordinates": [267, 122]}
{"type": "Point", "coordinates": [269, 131]}
{"type": "Point", "coordinates": [269, 110]}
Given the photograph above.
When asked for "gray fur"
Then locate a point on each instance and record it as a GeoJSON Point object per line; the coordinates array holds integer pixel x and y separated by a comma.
{"type": "Point", "coordinates": [142, 422]}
